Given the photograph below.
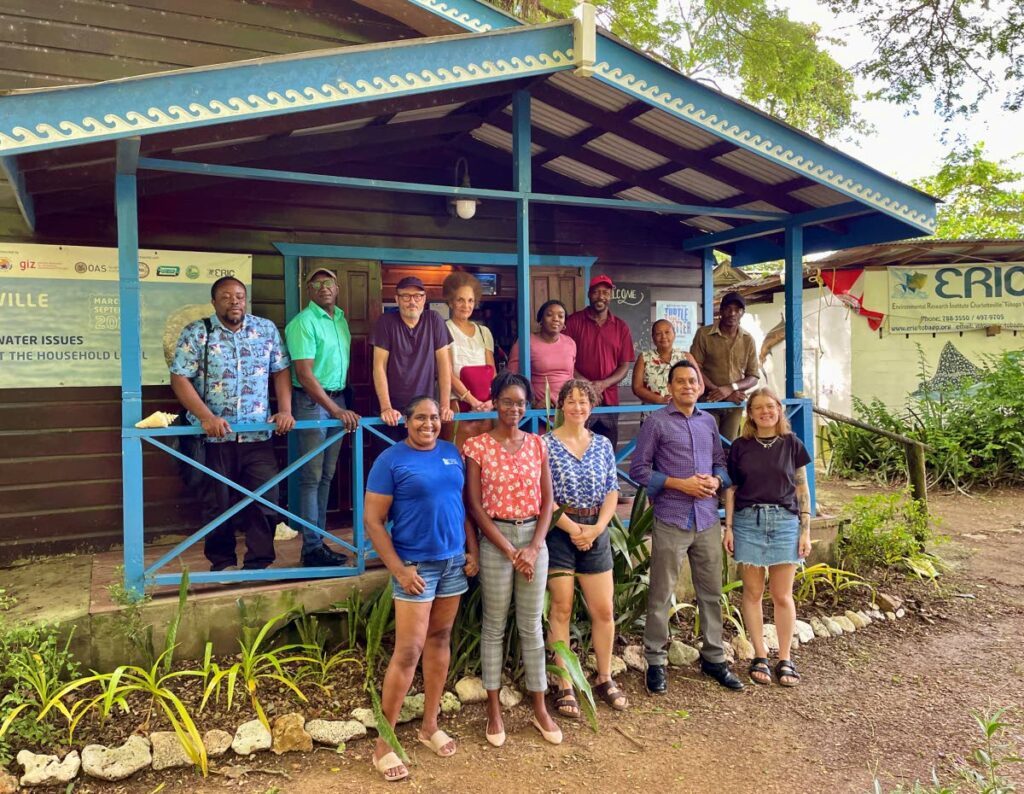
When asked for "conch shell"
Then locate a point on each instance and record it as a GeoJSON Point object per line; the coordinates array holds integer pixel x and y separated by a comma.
{"type": "Point", "coordinates": [157, 419]}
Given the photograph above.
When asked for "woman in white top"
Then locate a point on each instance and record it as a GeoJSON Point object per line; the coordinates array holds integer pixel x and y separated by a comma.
{"type": "Point", "coordinates": [472, 346]}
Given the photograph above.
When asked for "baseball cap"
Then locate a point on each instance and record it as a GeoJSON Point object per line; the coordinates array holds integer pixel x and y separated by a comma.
{"type": "Point", "coordinates": [320, 270]}
{"type": "Point", "coordinates": [411, 282]}
{"type": "Point", "coordinates": [597, 281]}
{"type": "Point", "coordinates": [733, 297]}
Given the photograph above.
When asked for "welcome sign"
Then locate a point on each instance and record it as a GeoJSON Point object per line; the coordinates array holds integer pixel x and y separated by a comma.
{"type": "Point", "coordinates": [60, 316]}
{"type": "Point", "coordinates": [956, 297]}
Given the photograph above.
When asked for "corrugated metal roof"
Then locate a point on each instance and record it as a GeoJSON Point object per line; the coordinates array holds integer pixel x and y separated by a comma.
{"type": "Point", "coordinates": [695, 182]}
{"type": "Point", "coordinates": [674, 130]}
{"type": "Point", "coordinates": [553, 120]}
{"type": "Point", "coordinates": [499, 139]}
{"type": "Point", "coordinates": [580, 172]}
{"type": "Point", "coordinates": [341, 126]}
{"type": "Point", "coordinates": [627, 152]}
{"type": "Point", "coordinates": [425, 113]}
{"type": "Point", "coordinates": [819, 196]}
{"type": "Point", "coordinates": [751, 165]}
{"type": "Point", "coordinates": [593, 91]}
{"type": "Point", "coordinates": [197, 147]}
{"type": "Point", "coordinates": [765, 206]}
{"type": "Point", "coordinates": [639, 194]}
{"type": "Point", "coordinates": [704, 223]}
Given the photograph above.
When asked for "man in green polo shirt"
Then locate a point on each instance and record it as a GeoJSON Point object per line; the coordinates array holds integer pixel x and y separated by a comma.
{"type": "Point", "coordinates": [318, 339]}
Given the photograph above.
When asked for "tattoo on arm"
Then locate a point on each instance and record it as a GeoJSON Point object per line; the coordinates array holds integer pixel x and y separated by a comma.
{"type": "Point", "coordinates": [803, 494]}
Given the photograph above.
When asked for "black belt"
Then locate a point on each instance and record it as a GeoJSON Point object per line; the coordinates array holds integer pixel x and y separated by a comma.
{"type": "Point", "coordinates": [330, 393]}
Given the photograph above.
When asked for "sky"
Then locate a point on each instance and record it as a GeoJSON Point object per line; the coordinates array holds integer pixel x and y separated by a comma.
{"type": "Point", "coordinates": [906, 146]}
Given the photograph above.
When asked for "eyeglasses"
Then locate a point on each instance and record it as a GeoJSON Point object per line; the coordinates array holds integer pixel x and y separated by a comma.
{"type": "Point", "coordinates": [414, 297]}
{"type": "Point", "coordinates": [512, 403]}
{"type": "Point", "coordinates": [321, 283]}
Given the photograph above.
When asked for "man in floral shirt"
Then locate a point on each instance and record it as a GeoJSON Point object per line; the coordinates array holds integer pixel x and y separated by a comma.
{"type": "Point", "coordinates": [243, 353]}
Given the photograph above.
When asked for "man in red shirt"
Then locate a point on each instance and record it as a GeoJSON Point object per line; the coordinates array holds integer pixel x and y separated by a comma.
{"type": "Point", "coordinates": [604, 351]}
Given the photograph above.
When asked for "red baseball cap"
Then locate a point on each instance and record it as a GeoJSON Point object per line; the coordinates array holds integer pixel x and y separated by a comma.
{"type": "Point", "coordinates": [599, 280]}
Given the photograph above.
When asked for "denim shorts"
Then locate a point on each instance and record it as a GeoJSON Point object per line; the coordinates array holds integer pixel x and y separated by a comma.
{"type": "Point", "coordinates": [443, 579]}
{"type": "Point", "coordinates": [765, 535]}
{"type": "Point", "coordinates": [564, 556]}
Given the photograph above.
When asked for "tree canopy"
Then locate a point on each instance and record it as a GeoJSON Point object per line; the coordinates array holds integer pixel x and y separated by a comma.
{"type": "Point", "coordinates": [963, 50]}
{"type": "Point", "coordinates": [981, 197]}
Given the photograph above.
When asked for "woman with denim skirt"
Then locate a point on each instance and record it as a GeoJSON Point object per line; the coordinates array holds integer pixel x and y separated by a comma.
{"type": "Point", "coordinates": [418, 485]}
{"type": "Point", "coordinates": [768, 526]}
{"type": "Point", "coordinates": [584, 480]}
{"type": "Point", "coordinates": [508, 488]}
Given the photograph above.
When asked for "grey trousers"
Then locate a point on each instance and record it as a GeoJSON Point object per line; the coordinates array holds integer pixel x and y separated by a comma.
{"type": "Point", "coordinates": [704, 549]}
{"type": "Point", "coordinates": [498, 582]}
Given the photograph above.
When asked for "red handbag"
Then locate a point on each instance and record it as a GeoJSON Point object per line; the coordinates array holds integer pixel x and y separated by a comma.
{"type": "Point", "coordinates": [477, 379]}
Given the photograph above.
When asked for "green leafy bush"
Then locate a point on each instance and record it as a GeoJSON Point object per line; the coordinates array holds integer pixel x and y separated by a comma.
{"type": "Point", "coordinates": [974, 430]}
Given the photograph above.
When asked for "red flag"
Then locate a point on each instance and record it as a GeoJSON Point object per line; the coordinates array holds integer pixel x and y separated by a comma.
{"type": "Point", "coordinates": [848, 286]}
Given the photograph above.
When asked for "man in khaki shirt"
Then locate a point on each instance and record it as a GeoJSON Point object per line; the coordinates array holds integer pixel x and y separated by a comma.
{"type": "Point", "coordinates": [727, 356]}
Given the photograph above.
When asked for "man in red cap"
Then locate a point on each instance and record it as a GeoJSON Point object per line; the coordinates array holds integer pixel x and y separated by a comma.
{"type": "Point", "coordinates": [604, 351]}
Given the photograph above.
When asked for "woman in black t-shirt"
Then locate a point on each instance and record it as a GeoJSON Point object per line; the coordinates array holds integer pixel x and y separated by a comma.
{"type": "Point", "coordinates": [768, 525]}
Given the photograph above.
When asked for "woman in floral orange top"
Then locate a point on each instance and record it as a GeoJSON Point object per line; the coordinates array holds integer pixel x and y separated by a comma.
{"type": "Point", "coordinates": [509, 492]}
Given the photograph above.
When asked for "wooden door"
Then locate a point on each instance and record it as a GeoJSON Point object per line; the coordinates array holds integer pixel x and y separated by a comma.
{"type": "Point", "coordinates": [556, 283]}
{"type": "Point", "coordinates": [359, 289]}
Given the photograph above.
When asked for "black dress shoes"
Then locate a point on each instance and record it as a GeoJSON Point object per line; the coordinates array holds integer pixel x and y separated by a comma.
{"type": "Point", "coordinates": [323, 558]}
{"type": "Point", "coordinates": [721, 673]}
{"type": "Point", "coordinates": [657, 681]}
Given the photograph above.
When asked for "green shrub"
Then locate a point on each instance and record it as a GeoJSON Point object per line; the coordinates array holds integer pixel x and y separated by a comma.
{"type": "Point", "coordinates": [974, 431]}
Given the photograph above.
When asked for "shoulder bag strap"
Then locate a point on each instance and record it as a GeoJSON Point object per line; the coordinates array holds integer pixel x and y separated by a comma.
{"type": "Point", "coordinates": [206, 356]}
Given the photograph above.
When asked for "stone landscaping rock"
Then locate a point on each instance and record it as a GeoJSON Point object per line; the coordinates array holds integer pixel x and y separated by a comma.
{"type": "Point", "coordinates": [471, 690]}
{"type": "Point", "coordinates": [855, 619]}
{"type": "Point", "coordinates": [633, 656]}
{"type": "Point", "coordinates": [365, 716]}
{"type": "Point", "coordinates": [901, 612]}
{"type": "Point", "coordinates": [216, 742]}
{"type": "Point", "coordinates": [771, 637]}
{"type": "Point", "coordinates": [888, 603]}
{"type": "Point", "coordinates": [509, 697]}
{"type": "Point", "coordinates": [890, 616]}
{"type": "Point", "coordinates": [875, 615]}
{"type": "Point", "coordinates": [834, 629]}
{"type": "Point", "coordinates": [335, 732]}
{"type": "Point", "coordinates": [449, 703]}
{"type": "Point", "coordinates": [412, 708]}
{"type": "Point", "coordinates": [820, 629]}
{"type": "Point", "coordinates": [116, 763]}
{"type": "Point", "coordinates": [618, 665]}
{"type": "Point", "coordinates": [48, 770]}
{"type": "Point", "coordinates": [804, 632]}
{"type": "Point", "coordinates": [251, 737]}
{"type": "Point", "coordinates": [743, 648]}
{"type": "Point", "coordinates": [847, 625]}
{"type": "Point", "coordinates": [168, 751]}
{"type": "Point", "coordinates": [8, 783]}
{"type": "Point", "coordinates": [864, 616]}
{"type": "Point", "coordinates": [680, 654]}
{"type": "Point", "coordinates": [288, 735]}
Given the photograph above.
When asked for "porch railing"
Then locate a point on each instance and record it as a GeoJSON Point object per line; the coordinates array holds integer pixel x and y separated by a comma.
{"type": "Point", "coordinates": [139, 575]}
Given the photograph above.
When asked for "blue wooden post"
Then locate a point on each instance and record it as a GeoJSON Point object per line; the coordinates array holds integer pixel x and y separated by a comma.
{"type": "Point", "coordinates": [522, 181]}
{"type": "Point", "coordinates": [803, 423]}
{"type": "Point", "coordinates": [707, 286]}
{"type": "Point", "coordinates": [126, 198]}
{"type": "Point", "coordinates": [291, 308]}
{"type": "Point", "coordinates": [358, 492]}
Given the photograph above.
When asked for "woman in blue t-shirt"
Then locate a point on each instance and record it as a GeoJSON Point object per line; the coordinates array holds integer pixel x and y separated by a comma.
{"type": "Point", "coordinates": [768, 525]}
{"type": "Point", "coordinates": [417, 484]}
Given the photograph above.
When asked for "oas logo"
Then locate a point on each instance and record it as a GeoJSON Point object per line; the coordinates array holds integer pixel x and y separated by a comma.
{"type": "Point", "coordinates": [5, 265]}
{"type": "Point", "coordinates": [143, 270]}
{"type": "Point", "coordinates": [81, 267]}
{"type": "Point", "coordinates": [192, 272]}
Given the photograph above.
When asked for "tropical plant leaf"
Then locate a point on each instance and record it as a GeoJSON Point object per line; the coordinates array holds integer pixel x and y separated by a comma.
{"type": "Point", "coordinates": [574, 672]}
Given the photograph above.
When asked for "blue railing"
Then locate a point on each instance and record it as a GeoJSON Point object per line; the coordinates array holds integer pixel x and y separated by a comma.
{"type": "Point", "coordinates": [138, 575]}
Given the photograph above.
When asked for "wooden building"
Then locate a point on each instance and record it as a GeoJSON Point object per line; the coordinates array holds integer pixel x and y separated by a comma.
{"type": "Point", "coordinates": [621, 165]}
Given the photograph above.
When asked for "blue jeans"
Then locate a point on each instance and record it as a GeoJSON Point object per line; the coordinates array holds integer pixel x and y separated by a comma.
{"type": "Point", "coordinates": [316, 476]}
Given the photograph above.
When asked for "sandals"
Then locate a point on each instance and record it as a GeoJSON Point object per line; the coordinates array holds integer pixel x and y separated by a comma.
{"type": "Point", "coordinates": [437, 742]}
{"type": "Point", "coordinates": [610, 693]}
{"type": "Point", "coordinates": [566, 704]}
{"type": "Point", "coordinates": [759, 665]}
{"type": "Point", "coordinates": [387, 763]}
{"type": "Point", "coordinates": [786, 669]}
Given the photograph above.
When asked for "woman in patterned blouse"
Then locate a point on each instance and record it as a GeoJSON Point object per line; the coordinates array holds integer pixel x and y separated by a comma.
{"type": "Point", "coordinates": [650, 373]}
{"type": "Point", "coordinates": [585, 484]}
{"type": "Point", "coordinates": [508, 487]}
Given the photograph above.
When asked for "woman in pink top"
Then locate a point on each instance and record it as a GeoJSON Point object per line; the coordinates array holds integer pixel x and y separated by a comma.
{"type": "Point", "coordinates": [552, 355]}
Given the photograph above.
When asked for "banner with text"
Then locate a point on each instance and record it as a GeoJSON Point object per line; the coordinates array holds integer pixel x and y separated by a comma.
{"type": "Point", "coordinates": [958, 297]}
{"type": "Point", "coordinates": [61, 318]}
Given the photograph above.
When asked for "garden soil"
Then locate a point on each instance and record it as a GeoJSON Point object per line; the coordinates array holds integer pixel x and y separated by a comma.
{"type": "Point", "coordinates": [890, 703]}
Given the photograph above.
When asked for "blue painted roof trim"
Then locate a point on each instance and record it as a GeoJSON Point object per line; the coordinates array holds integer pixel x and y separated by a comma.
{"type": "Point", "coordinates": [663, 88]}
{"type": "Point", "coordinates": [47, 119]}
{"type": "Point", "coordinates": [471, 15]}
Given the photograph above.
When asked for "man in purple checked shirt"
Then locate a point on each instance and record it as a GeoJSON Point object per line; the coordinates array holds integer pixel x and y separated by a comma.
{"type": "Point", "coordinates": [680, 460]}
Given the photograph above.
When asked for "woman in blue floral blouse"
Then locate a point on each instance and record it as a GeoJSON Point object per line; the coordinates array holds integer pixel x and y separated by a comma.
{"type": "Point", "coordinates": [585, 485]}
